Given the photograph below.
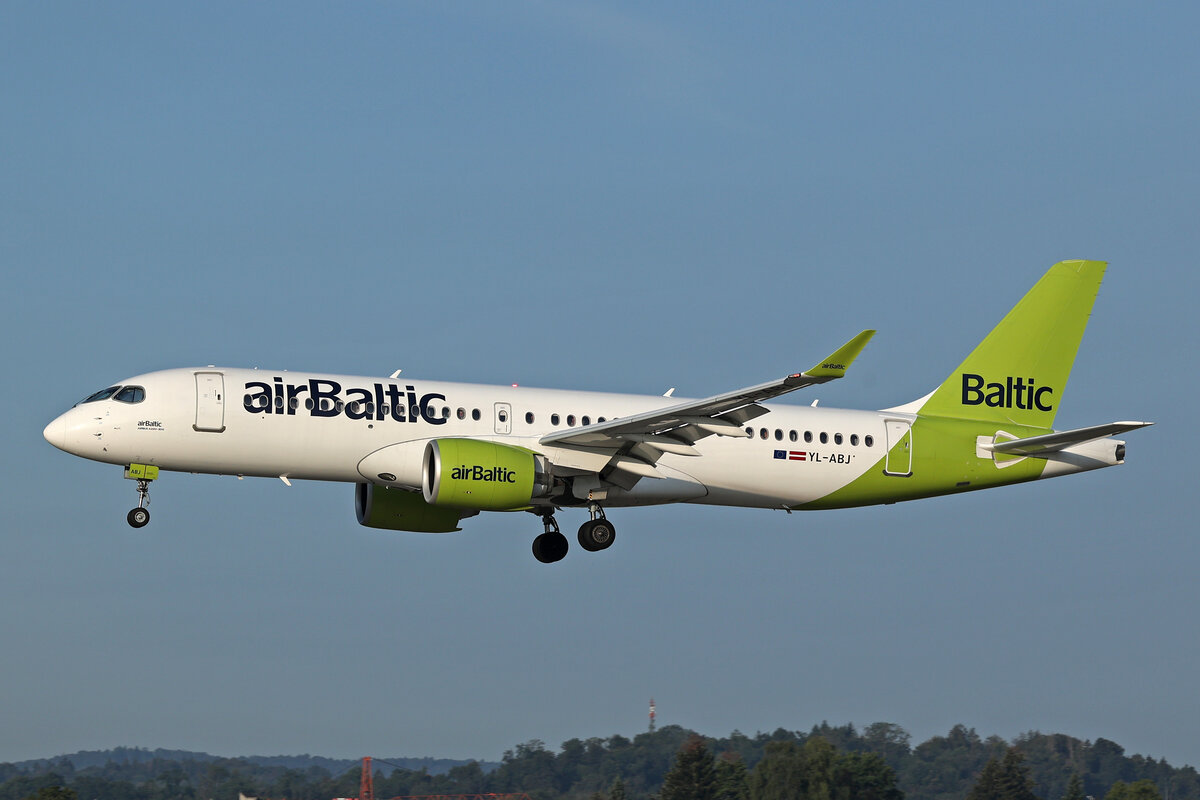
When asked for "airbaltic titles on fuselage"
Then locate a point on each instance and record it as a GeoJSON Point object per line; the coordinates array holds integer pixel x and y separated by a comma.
{"type": "Point", "coordinates": [322, 397]}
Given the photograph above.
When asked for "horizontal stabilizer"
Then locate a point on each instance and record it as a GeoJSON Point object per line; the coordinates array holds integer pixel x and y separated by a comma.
{"type": "Point", "coordinates": [1060, 440]}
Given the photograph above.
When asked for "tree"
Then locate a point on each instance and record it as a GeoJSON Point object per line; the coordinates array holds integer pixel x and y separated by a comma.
{"type": "Point", "coordinates": [781, 774]}
{"type": "Point", "coordinates": [1075, 788]}
{"type": "Point", "coordinates": [693, 776]}
{"type": "Point", "coordinates": [617, 792]}
{"type": "Point", "coordinates": [988, 785]}
{"type": "Point", "coordinates": [1004, 779]}
{"type": "Point", "coordinates": [53, 793]}
{"type": "Point", "coordinates": [1138, 790]}
{"type": "Point", "coordinates": [864, 776]}
{"type": "Point", "coordinates": [731, 777]}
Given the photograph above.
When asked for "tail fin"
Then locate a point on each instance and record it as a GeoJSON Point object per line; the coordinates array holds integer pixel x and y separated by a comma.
{"type": "Point", "coordinates": [1018, 373]}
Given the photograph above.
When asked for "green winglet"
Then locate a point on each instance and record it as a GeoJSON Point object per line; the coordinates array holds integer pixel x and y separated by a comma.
{"type": "Point", "coordinates": [836, 364]}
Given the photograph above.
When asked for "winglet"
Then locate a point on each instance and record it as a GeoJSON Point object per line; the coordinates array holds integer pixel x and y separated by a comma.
{"type": "Point", "coordinates": [839, 361]}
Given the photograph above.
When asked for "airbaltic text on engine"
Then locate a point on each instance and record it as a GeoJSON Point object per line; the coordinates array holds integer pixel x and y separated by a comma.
{"type": "Point", "coordinates": [1014, 391]}
{"type": "Point", "coordinates": [325, 399]}
{"type": "Point", "coordinates": [478, 473]}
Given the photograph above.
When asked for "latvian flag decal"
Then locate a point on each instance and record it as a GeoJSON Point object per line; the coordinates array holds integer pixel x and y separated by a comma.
{"type": "Point", "coordinates": [791, 455]}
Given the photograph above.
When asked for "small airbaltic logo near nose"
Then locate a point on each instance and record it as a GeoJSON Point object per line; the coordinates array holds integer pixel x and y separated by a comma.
{"type": "Point", "coordinates": [478, 473]}
{"type": "Point", "coordinates": [1013, 393]}
{"type": "Point", "coordinates": [149, 425]}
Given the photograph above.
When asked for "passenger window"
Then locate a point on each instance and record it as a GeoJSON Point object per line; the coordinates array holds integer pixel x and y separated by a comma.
{"type": "Point", "coordinates": [586, 420]}
{"type": "Point", "coordinates": [570, 420]}
{"type": "Point", "coordinates": [279, 402]}
{"type": "Point", "coordinates": [792, 435]}
{"type": "Point", "coordinates": [808, 436]}
{"type": "Point", "coordinates": [475, 414]}
{"type": "Point", "coordinates": [502, 415]}
{"type": "Point", "coordinates": [554, 419]}
{"type": "Point", "coordinates": [763, 433]}
{"type": "Point", "coordinates": [837, 438]}
{"type": "Point", "coordinates": [529, 417]}
{"type": "Point", "coordinates": [599, 420]}
{"type": "Point", "coordinates": [415, 411]}
{"type": "Point", "coordinates": [824, 437]}
{"type": "Point", "coordinates": [854, 439]}
{"type": "Point", "coordinates": [778, 435]}
{"type": "Point", "coordinates": [750, 432]}
{"type": "Point", "coordinates": [869, 440]}
{"type": "Point", "coordinates": [445, 412]}
{"type": "Point", "coordinates": [461, 413]}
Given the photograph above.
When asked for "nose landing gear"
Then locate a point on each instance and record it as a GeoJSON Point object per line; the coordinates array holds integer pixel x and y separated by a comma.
{"type": "Point", "coordinates": [139, 516]}
{"type": "Point", "coordinates": [143, 474]}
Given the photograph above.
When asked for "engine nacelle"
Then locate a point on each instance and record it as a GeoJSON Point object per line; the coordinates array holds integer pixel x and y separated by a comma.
{"type": "Point", "coordinates": [469, 473]}
{"type": "Point", "coordinates": [399, 510]}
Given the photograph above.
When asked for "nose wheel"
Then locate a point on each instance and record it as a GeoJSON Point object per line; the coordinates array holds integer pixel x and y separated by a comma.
{"type": "Point", "coordinates": [139, 516]}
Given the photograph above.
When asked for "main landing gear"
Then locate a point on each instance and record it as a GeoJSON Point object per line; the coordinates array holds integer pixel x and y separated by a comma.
{"type": "Point", "coordinates": [595, 534]}
{"type": "Point", "coordinates": [139, 516]}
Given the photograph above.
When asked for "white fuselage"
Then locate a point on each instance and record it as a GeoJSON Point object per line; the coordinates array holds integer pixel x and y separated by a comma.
{"type": "Point", "coordinates": [355, 429]}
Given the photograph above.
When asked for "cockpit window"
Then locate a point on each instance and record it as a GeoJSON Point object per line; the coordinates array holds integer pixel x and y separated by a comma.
{"type": "Point", "coordinates": [131, 394]}
{"type": "Point", "coordinates": [103, 394]}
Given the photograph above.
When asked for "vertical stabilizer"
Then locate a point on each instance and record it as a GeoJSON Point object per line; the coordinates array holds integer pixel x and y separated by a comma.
{"type": "Point", "coordinates": [1018, 373]}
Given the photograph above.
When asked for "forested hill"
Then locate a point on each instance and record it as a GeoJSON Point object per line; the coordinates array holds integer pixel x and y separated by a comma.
{"type": "Point", "coordinates": [839, 761]}
{"type": "Point", "coordinates": [138, 755]}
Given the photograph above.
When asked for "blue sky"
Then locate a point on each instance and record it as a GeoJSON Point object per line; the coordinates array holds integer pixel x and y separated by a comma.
{"type": "Point", "coordinates": [592, 196]}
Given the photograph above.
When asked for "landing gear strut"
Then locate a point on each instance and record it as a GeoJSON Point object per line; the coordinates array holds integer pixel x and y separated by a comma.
{"type": "Point", "coordinates": [139, 516]}
{"type": "Point", "coordinates": [597, 533]}
{"type": "Point", "coordinates": [551, 546]}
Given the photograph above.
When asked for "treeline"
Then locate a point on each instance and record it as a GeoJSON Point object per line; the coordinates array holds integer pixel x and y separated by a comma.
{"type": "Point", "coordinates": [838, 761]}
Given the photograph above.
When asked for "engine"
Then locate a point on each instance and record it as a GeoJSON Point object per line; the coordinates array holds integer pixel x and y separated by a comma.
{"type": "Point", "coordinates": [401, 510]}
{"type": "Point", "coordinates": [468, 473]}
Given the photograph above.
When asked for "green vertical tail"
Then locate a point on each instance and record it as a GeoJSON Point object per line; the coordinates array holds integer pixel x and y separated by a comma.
{"type": "Point", "coordinates": [1018, 373]}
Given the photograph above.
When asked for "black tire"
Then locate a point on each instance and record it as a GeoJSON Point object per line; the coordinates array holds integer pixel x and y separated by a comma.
{"type": "Point", "coordinates": [550, 547]}
{"type": "Point", "coordinates": [596, 534]}
{"type": "Point", "coordinates": [138, 517]}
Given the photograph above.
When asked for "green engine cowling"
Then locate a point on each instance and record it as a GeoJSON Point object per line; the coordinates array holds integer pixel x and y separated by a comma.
{"type": "Point", "coordinates": [469, 473]}
{"type": "Point", "coordinates": [400, 510]}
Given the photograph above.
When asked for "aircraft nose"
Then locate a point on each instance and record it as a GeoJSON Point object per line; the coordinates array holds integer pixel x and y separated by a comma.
{"type": "Point", "coordinates": [56, 433]}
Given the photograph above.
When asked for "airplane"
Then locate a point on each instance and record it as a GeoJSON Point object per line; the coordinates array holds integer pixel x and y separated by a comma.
{"type": "Point", "coordinates": [425, 455]}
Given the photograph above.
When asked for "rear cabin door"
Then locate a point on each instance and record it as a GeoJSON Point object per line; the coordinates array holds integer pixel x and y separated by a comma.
{"type": "Point", "coordinates": [210, 402]}
{"type": "Point", "coordinates": [899, 453]}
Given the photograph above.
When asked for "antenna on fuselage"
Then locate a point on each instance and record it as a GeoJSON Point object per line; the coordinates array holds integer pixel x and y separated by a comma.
{"type": "Point", "coordinates": [396, 374]}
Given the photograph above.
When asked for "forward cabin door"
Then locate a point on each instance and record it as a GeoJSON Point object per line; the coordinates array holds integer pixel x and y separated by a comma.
{"type": "Point", "coordinates": [210, 402]}
{"type": "Point", "coordinates": [898, 461]}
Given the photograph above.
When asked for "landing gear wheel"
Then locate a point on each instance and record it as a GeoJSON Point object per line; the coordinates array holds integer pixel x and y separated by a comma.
{"type": "Point", "coordinates": [550, 547]}
{"type": "Point", "coordinates": [138, 517]}
{"type": "Point", "coordinates": [596, 534]}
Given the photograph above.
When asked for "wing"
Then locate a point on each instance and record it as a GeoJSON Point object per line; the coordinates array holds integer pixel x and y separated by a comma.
{"type": "Point", "coordinates": [635, 443]}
